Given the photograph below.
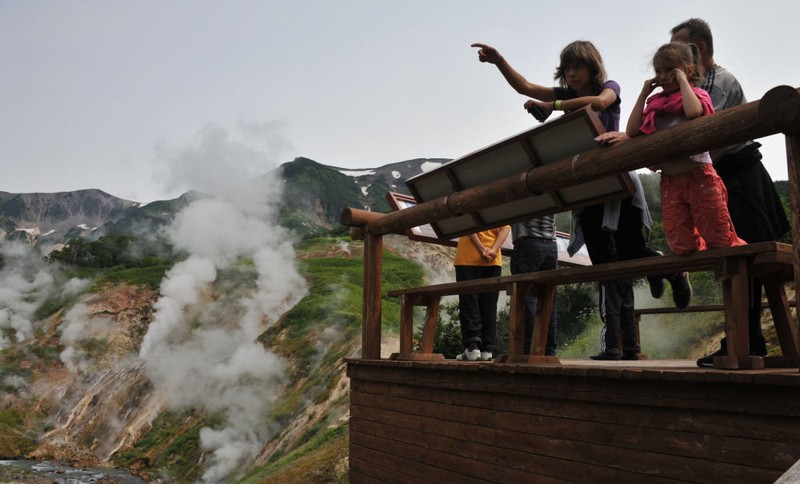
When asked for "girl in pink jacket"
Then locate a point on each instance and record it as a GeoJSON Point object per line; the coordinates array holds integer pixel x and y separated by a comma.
{"type": "Point", "coordinates": [694, 201]}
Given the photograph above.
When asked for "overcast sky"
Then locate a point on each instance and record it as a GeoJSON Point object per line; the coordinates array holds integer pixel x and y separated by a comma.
{"type": "Point", "coordinates": [97, 93]}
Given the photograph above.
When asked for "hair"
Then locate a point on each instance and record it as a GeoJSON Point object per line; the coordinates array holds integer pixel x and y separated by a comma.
{"type": "Point", "coordinates": [581, 52]}
{"type": "Point", "coordinates": [681, 54]}
{"type": "Point", "coordinates": [698, 31]}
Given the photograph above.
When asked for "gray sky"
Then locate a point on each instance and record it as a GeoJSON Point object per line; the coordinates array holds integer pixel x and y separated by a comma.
{"type": "Point", "coordinates": [98, 93]}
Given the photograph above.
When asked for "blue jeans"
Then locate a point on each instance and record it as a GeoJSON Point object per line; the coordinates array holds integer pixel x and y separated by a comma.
{"type": "Point", "coordinates": [533, 254]}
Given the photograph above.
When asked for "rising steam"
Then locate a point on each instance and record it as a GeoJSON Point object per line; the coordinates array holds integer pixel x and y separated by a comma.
{"type": "Point", "coordinates": [201, 348]}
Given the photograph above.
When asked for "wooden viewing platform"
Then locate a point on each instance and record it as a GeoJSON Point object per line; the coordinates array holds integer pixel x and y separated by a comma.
{"type": "Point", "coordinates": [416, 420]}
{"type": "Point", "coordinates": [580, 421]}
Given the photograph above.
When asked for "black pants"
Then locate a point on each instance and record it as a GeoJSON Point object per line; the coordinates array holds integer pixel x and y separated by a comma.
{"type": "Point", "coordinates": [534, 254]}
{"type": "Point", "coordinates": [616, 297]}
{"type": "Point", "coordinates": [757, 215]}
{"type": "Point", "coordinates": [478, 312]}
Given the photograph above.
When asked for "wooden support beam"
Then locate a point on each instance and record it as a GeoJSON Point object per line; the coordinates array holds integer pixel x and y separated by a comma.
{"type": "Point", "coordinates": [373, 288]}
{"type": "Point", "coordinates": [431, 319]}
{"type": "Point", "coordinates": [793, 162]}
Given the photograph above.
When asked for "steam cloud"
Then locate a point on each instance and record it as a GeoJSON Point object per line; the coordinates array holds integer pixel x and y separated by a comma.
{"type": "Point", "coordinates": [25, 284]}
{"type": "Point", "coordinates": [201, 348]}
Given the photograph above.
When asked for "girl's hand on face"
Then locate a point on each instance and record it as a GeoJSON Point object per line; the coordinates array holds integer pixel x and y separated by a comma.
{"type": "Point", "coordinates": [649, 86]}
{"type": "Point", "coordinates": [679, 75]}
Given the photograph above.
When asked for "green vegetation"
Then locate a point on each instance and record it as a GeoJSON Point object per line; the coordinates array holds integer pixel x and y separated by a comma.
{"type": "Point", "coordinates": [318, 460]}
{"type": "Point", "coordinates": [172, 446]}
{"type": "Point", "coordinates": [14, 441]}
{"type": "Point", "coordinates": [114, 250]}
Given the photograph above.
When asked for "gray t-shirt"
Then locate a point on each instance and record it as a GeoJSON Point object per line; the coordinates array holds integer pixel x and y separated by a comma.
{"type": "Point", "coordinates": [541, 228]}
{"type": "Point", "coordinates": [725, 92]}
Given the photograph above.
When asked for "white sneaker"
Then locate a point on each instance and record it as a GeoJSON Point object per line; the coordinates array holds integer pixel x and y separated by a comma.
{"type": "Point", "coordinates": [469, 355]}
{"type": "Point", "coordinates": [486, 355]}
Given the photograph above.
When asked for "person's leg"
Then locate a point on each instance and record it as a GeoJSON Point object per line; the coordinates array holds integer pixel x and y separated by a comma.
{"type": "Point", "coordinates": [708, 201]}
{"type": "Point", "coordinates": [611, 293]}
{"type": "Point", "coordinates": [488, 310]}
{"type": "Point", "coordinates": [530, 255]}
{"type": "Point", "coordinates": [601, 247]}
{"type": "Point", "coordinates": [679, 226]}
{"type": "Point", "coordinates": [630, 330]}
{"type": "Point", "coordinates": [469, 309]}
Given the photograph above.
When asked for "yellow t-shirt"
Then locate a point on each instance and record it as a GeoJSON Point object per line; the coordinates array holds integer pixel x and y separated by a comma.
{"type": "Point", "coordinates": [467, 254]}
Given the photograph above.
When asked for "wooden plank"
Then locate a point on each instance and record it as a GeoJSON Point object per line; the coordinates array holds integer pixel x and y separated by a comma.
{"type": "Point", "coordinates": [432, 464]}
{"type": "Point", "coordinates": [724, 422]}
{"type": "Point", "coordinates": [467, 449]}
{"type": "Point", "coordinates": [762, 398]}
{"type": "Point", "coordinates": [561, 451]}
{"type": "Point", "coordinates": [697, 261]}
{"type": "Point", "coordinates": [561, 437]}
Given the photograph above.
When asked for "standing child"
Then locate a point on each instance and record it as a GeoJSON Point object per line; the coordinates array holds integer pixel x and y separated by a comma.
{"type": "Point", "coordinates": [478, 256]}
{"type": "Point", "coordinates": [612, 231]}
{"type": "Point", "coordinates": [693, 197]}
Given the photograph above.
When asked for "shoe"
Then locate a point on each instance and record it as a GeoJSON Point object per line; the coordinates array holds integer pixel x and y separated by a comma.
{"type": "Point", "coordinates": [469, 355]}
{"type": "Point", "coordinates": [486, 356]}
{"type": "Point", "coordinates": [606, 356]}
{"type": "Point", "coordinates": [656, 286]}
{"type": "Point", "coordinates": [656, 283]}
{"type": "Point", "coordinates": [630, 356]}
{"type": "Point", "coordinates": [681, 289]}
{"type": "Point", "coordinates": [708, 361]}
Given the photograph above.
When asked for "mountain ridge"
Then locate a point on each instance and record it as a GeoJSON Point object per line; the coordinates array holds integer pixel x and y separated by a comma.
{"type": "Point", "coordinates": [314, 196]}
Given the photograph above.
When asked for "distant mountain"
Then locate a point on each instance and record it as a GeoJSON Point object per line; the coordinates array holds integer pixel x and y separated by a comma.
{"type": "Point", "coordinates": [314, 196]}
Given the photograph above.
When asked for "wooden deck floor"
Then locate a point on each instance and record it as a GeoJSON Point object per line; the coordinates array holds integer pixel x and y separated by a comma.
{"type": "Point", "coordinates": [581, 421]}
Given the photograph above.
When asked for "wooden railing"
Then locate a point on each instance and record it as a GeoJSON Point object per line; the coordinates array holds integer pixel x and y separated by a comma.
{"type": "Point", "coordinates": [777, 112]}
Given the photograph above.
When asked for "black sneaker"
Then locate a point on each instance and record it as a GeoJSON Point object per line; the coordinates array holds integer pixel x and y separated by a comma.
{"type": "Point", "coordinates": [681, 289]}
{"type": "Point", "coordinates": [656, 286]}
{"type": "Point", "coordinates": [708, 361]}
{"type": "Point", "coordinates": [606, 356]}
{"type": "Point", "coordinates": [656, 282]}
{"type": "Point", "coordinates": [630, 356]}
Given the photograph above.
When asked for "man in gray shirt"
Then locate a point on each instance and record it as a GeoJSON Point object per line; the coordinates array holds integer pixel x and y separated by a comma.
{"type": "Point", "coordinates": [536, 249]}
{"type": "Point", "coordinates": [753, 202]}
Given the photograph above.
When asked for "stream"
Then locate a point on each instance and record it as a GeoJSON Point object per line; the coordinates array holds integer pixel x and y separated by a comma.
{"type": "Point", "coordinates": [64, 474]}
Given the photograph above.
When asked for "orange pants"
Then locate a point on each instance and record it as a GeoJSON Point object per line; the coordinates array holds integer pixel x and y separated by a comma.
{"type": "Point", "coordinates": [694, 209]}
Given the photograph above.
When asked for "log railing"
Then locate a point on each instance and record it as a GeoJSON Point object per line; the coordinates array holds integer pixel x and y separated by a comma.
{"type": "Point", "coordinates": [777, 112]}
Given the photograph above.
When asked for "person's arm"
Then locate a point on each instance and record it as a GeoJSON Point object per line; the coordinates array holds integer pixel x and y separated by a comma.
{"type": "Point", "coordinates": [477, 243]}
{"type": "Point", "coordinates": [692, 107]}
{"type": "Point", "coordinates": [637, 114]}
{"type": "Point", "coordinates": [502, 235]}
{"type": "Point", "coordinates": [487, 53]}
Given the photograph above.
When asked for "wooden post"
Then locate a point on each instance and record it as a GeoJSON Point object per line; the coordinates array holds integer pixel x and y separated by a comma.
{"type": "Point", "coordinates": [431, 318]}
{"type": "Point", "coordinates": [373, 288]}
{"type": "Point", "coordinates": [793, 162]}
{"type": "Point", "coordinates": [516, 319]}
{"type": "Point", "coordinates": [541, 322]}
{"type": "Point", "coordinates": [406, 324]}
